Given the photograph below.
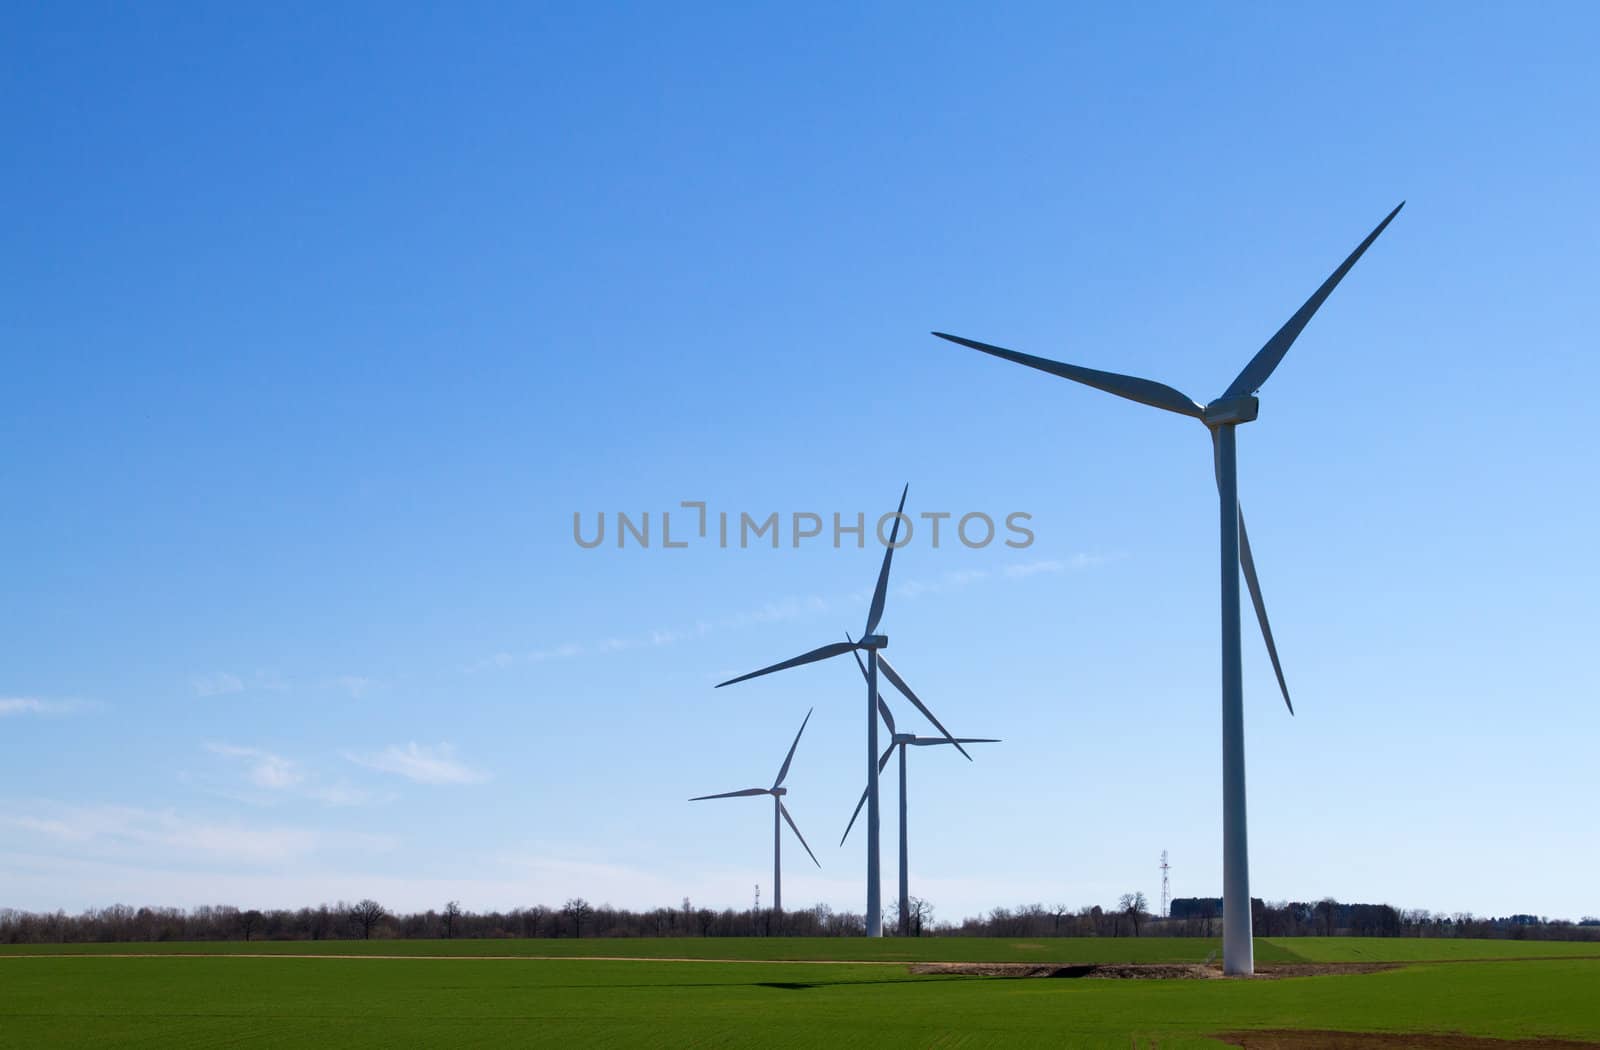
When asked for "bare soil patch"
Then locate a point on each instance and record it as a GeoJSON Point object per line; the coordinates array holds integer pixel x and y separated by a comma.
{"type": "Point", "coordinates": [1100, 971]}
{"type": "Point", "coordinates": [1289, 1039]}
{"type": "Point", "coordinates": [1143, 971]}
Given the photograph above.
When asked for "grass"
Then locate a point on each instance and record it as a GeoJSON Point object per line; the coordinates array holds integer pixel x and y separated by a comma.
{"type": "Point", "coordinates": [779, 949]}
{"type": "Point", "coordinates": [1419, 949]}
{"type": "Point", "coordinates": [214, 1001]}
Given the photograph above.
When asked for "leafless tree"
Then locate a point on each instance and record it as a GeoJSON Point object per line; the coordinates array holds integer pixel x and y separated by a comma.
{"type": "Point", "coordinates": [366, 915]}
{"type": "Point", "coordinates": [451, 916]}
{"type": "Point", "coordinates": [249, 922]}
{"type": "Point", "coordinates": [578, 911]}
{"type": "Point", "coordinates": [1133, 905]}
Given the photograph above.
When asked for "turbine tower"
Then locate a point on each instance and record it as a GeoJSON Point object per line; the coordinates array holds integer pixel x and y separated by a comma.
{"type": "Point", "coordinates": [902, 741]}
{"type": "Point", "coordinates": [872, 643]}
{"type": "Point", "coordinates": [779, 811]}
{"type": "Point", "coordinates": [1237, 405]}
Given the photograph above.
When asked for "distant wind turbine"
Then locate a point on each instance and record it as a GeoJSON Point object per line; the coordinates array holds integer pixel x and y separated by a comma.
{"type": "Point", "coordinates": [1237, 405]}
{"type": "Point", "coordinates": [903, 741]}
{"type": "Point", "coordinates": [872, 643]}
{"type": "Point", "coordinates": [779, 810]}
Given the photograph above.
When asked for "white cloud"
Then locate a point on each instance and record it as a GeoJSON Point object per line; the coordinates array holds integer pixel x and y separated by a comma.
{"type": "Point", "coordinates": [219, 683]}
{"type": "Point", "coordinates": [356, 685]}
{"type": "Point", "coordinates": [30, 705]}
{"type": "Point", "coordinates": [267, 770]}
{"type": "Point", "coordinates": [425, 765]}
{"type": "Point", "coordinates": [111, 830]}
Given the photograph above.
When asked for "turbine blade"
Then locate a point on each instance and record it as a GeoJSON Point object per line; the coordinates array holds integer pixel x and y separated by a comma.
{"type": "Point", "coordinates": [1144, 391]}
{"type": "Point", "coordinates": [900, 684]}
{"type": "Point", "coordinates": [822, 653]}
{"type": "Point", "coordinates": [1260, 367]}
{"type": "Point", "coordinates": [882, 762]}
{"type": "Point", "coordinates": [785, 811]}
{"type": "Point", "coordinates": [875, 613]}
{"type": "Point", "coordinates": [1248, 563]}
{"type": "Point", "coordinates": [734, 794]}
{"type": "Point", "coordinates": [883, 708]}
{"type": "Point", "coordinates": [783, 772]}
{"type": "Point", "coordinates": [853, 817]}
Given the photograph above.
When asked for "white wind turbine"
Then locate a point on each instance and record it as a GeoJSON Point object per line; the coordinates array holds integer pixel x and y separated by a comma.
{"type": "Point", "coordinates": [1237, 405]}
{"type": "Point", "coordinates": [779, 810]}
{"type": "Point", "coordinates": [902, 741]}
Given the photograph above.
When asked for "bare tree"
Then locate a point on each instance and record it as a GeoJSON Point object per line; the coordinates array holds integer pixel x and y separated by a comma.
{"type": "Point", "coordinates": [452, 915]}
{"type": "Point", "coordinates": [1133, 905]}
{"type": "Point", "coordinates": [579, 911]}
{"type": "Point", "coordinates": [921, 914]}
{"type": "Point", "coordinates": [249, 922]}
{"type": "Point", "coordinates": [366, 915]}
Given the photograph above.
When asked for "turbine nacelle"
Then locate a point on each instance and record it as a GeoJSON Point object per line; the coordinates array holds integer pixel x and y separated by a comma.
{"type": "Point", "coordinates": [1228, 411]}
{"type": "Point", "coordinates": [873, 641]}
{"type": "Point", "coordinates": [778, 791]}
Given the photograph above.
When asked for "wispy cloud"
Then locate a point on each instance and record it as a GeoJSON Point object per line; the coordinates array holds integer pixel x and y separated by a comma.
{"type": "Point", "coordinates": [32, 705]}
{"type": "Point", "coordinates": [217, 683]}
{"type": "Point", "coordinates": [785, 609]}
{"type": "Point", "coordinates": [357, 686]}
{"type": "Point", "coordinates": [422, 764]}
{"type": "Point", "coordinates": [130, 830]}
{"type": "Point", "coordinates": [276, 776]}
{"type": "Point", "coordinates": [267, 770]}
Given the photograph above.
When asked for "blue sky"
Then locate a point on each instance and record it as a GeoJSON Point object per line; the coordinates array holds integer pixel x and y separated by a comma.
{"type": "Point", "coordinates": [320, 324]}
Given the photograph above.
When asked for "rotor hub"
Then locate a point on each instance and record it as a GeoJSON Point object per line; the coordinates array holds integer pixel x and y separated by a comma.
{"type": "Point", "coordinates": [1229, 411]}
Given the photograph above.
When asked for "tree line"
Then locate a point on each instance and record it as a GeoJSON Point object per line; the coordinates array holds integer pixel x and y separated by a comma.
{"type": "Point", "coordinates": [577, 917]}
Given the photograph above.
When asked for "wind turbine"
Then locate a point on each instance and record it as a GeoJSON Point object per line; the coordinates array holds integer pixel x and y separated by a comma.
{"type": "Point", "coordinates": [1237, 405]}
{"type": "Point", "coordinates": [779, 810]}
{"type": "Point", "coordinates": [903, 741]}
{"type": "Point", "coordinates": [872, 643]}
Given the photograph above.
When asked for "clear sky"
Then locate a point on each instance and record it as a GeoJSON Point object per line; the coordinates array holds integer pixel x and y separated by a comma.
{"type": "Point", "coordinates": [319, 324]}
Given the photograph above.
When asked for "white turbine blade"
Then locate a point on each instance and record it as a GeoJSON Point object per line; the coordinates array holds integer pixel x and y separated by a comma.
{"type": "Point", "coordinates": [853, 816]}
{"type": "Point", "coordinates": [882, 762]}
{"type": "Point", "coordinates": [883, 708]}
{"type": "Point", "coordinates": [785, 811]}
{"type": "Point", "coordinates": [1247, 564]}
{"type": "Point", "coordinates": [1260, 367]}
{"type": "Point", "coordinates": [734, 794]}
{"type": "Point", "coordinates": [783, 772]}
{"type": "Point", "coordinates": [900, 684]}
{"type": "Point", "coordinates": [875, 613]}
{"type": "Point", "coordinates": [1144, 391]}
{"type": "Point", "coordinates": [824, 652]}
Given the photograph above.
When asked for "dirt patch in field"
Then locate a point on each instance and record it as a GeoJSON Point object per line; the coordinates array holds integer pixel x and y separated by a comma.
{"type": "Point", "coordinates": [1287, 1039]}
{"type": "Point", "coordinates": [1143, 971]}
{"type": "Point", "coordinates": [1101, 971]}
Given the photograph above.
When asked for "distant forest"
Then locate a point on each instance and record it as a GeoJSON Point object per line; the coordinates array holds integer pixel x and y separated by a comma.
{"type": "Point", "coordinates": [1190, 917]}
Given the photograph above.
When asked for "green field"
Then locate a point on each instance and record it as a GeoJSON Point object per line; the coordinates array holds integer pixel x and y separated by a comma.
{"type": "Point", "coordinates": [213, 1000]}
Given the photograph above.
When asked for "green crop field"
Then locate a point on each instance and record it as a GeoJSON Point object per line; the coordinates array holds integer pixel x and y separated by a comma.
{"type": "Point", "coordinates": [83, 998]}
{"type": "Point", "coordinates": [778, 949]}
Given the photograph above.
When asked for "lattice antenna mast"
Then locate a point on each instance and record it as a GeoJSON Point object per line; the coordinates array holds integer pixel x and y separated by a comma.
{"type": "Point", "coordinates": [758, 896]}
{"type": "Point", "coordinates": [1166, 887]}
